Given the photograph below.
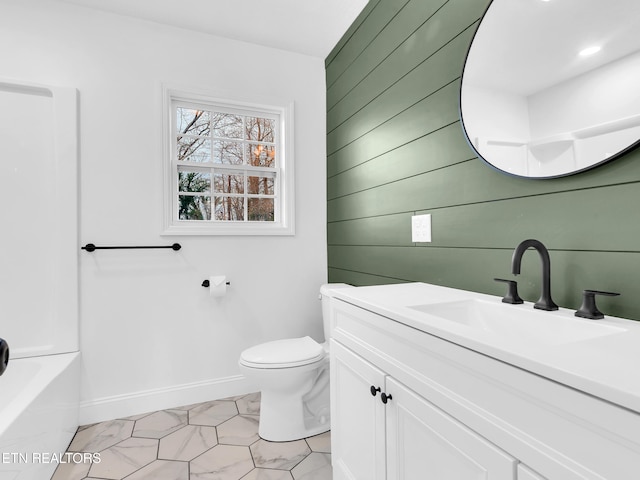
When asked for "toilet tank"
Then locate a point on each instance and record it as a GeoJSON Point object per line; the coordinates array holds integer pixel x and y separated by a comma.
{"type": "Point", "coordinates": [326, 293]}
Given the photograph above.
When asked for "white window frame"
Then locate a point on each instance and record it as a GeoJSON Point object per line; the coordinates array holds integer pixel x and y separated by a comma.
{"type": "Point", "coordinates": [283, 223]}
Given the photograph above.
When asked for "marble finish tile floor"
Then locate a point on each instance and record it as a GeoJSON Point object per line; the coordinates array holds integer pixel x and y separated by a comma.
{"type": "Point", "coordinates": [215, 440]}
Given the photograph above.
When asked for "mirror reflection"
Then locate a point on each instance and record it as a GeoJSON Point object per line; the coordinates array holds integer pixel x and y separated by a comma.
{"type": "Point", "coordinates": [552, 87]}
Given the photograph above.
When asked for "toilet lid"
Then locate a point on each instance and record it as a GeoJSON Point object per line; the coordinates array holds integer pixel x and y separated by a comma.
{"type": "Point", "coordinates": [291, 352]}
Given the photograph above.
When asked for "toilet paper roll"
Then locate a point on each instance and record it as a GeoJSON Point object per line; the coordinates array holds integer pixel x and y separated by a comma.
{"type": "Point", "coordinates": [4, 356]}
{"type": "Point", "coordinates": [218, 286]}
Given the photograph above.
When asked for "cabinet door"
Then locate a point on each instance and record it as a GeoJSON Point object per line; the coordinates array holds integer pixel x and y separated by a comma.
{"type": "Point", "coordinates": [423, 442]}
{"type": "Point", "coordinates": [357, 417]}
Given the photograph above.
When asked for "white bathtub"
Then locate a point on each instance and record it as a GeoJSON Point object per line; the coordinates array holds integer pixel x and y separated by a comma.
{"type": "Point", "coordinates": [39, 399]}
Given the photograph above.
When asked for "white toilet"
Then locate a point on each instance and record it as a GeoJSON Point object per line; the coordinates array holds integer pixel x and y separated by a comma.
{"type": "Point", "coordinates": [293, 378]}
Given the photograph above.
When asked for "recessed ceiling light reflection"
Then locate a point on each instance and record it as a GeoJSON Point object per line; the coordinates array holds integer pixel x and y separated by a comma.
{"type": "Point", "coordinates": [589, 51]}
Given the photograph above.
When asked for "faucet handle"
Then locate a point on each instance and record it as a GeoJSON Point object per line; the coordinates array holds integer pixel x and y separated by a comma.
{"type": "Point", "coordinates": [588, 308]}
{"type": "Point", "coordinates": [512, 292]}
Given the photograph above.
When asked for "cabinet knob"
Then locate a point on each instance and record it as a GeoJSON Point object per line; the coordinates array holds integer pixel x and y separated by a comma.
{"type": "Point", "coordinates": [384, 397]}
{"type": "Point", "coordinates": [374, 390]}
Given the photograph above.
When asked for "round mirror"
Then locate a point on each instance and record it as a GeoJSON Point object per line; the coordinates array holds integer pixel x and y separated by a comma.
{"type": "Point", "coordinates": [552, 87]}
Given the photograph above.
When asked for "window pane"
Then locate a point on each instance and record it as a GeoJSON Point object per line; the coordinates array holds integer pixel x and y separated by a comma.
{"type": "Point", "coordinates": [194, 149]}
{"type": "Point", "coordinates": [193, 122]}
{"type": "Point", "coordinates": [261, 155]}
{"type": "Point", "coordinates": [228, 153]}
{"type": "Point", "coordinates": [261, 129]}
{"type": "Point", "coordinates": [260, 209]}
{"type": "Point", "coordinates": [261, 185]}
{"type": "Point", "coordinates": [194, 182]}
{"type": "Point", "coordinates": [194, 208]}
{"type": "Point", "coordinates": [229, 208]}
{"type": "Point", "coordinates": [227, 125]}
{"type": "Point", "coordinates": [227, 183]}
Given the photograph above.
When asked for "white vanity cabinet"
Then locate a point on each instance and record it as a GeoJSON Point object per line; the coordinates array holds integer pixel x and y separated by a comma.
{"type": "Point", "coordinates": [405, 438]}
{"type": "Point", "coordinates": [424, 442]}
{"type": "Point", "coordinates": [357, 418]}
{"type": "Point", "coordinates": [457, 414]}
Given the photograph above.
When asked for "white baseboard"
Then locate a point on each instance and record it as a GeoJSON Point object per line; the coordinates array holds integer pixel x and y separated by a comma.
{"type": "Point", "coordinates": [119, 406]}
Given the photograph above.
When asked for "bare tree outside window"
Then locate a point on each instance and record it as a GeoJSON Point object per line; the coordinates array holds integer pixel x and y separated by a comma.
{"type": "Point", "coordinates": [226, 166]}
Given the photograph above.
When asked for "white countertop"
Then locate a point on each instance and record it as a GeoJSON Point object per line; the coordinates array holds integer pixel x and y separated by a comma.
{"type": "Point", "coordinates": [607, 367]}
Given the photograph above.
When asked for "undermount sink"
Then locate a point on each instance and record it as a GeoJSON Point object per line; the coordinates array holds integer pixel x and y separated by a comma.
{"type": "Point", "coordinates": [518, 322]}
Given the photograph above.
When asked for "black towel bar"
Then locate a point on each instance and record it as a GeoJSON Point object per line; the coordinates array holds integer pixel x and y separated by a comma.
{"type": "Point", "coordinates": [90, 247]}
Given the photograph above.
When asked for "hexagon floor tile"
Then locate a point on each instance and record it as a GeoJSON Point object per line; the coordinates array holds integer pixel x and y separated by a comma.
{"type": "Point", "coordinates": [215, 440]}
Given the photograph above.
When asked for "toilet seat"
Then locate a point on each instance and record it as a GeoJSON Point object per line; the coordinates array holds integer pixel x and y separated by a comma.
{"type": "Point", "coordinates": [288, 353]}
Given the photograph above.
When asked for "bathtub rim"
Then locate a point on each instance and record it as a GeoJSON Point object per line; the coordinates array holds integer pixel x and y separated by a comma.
{"type": "Point", "coordinates": [53, 366]}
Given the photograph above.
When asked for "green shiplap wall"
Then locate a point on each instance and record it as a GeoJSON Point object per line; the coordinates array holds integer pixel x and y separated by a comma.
{"type": "Point", "coordinates": [395, 148]}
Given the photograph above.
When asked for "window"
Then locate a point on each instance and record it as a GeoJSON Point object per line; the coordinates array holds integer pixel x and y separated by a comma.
{"type": "Point", "coordinates": [228, 167]}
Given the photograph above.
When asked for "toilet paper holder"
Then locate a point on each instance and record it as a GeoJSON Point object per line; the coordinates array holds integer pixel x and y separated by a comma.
{"type": "Point", "coordinates": [206, 283]}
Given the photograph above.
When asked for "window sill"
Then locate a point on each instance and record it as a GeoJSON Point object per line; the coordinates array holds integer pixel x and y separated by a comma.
{"type": "Point", "coordinates": [253, 229]}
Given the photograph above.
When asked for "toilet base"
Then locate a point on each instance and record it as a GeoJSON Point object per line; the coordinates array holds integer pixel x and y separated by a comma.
{"type": "Point", "coordinates": [294, 402]}
{"type": "Point", "coordinates": [284, 419]}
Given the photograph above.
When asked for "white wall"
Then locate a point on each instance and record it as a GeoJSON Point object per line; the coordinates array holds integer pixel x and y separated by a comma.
{"type": "Point", "coordinates": [602, 95]}
{"type": "Point", "coordinates": [38, 193]}
{"type": "Point", "coordinates": [148, 328]}
{"type": "Point", "coordinates": [606, 94]}
{"type": "Point", "coordinates": [498, 126]}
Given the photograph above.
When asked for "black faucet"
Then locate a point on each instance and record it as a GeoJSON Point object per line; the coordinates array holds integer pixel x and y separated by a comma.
{"type": "Point", "coordinates": [544, 302]}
